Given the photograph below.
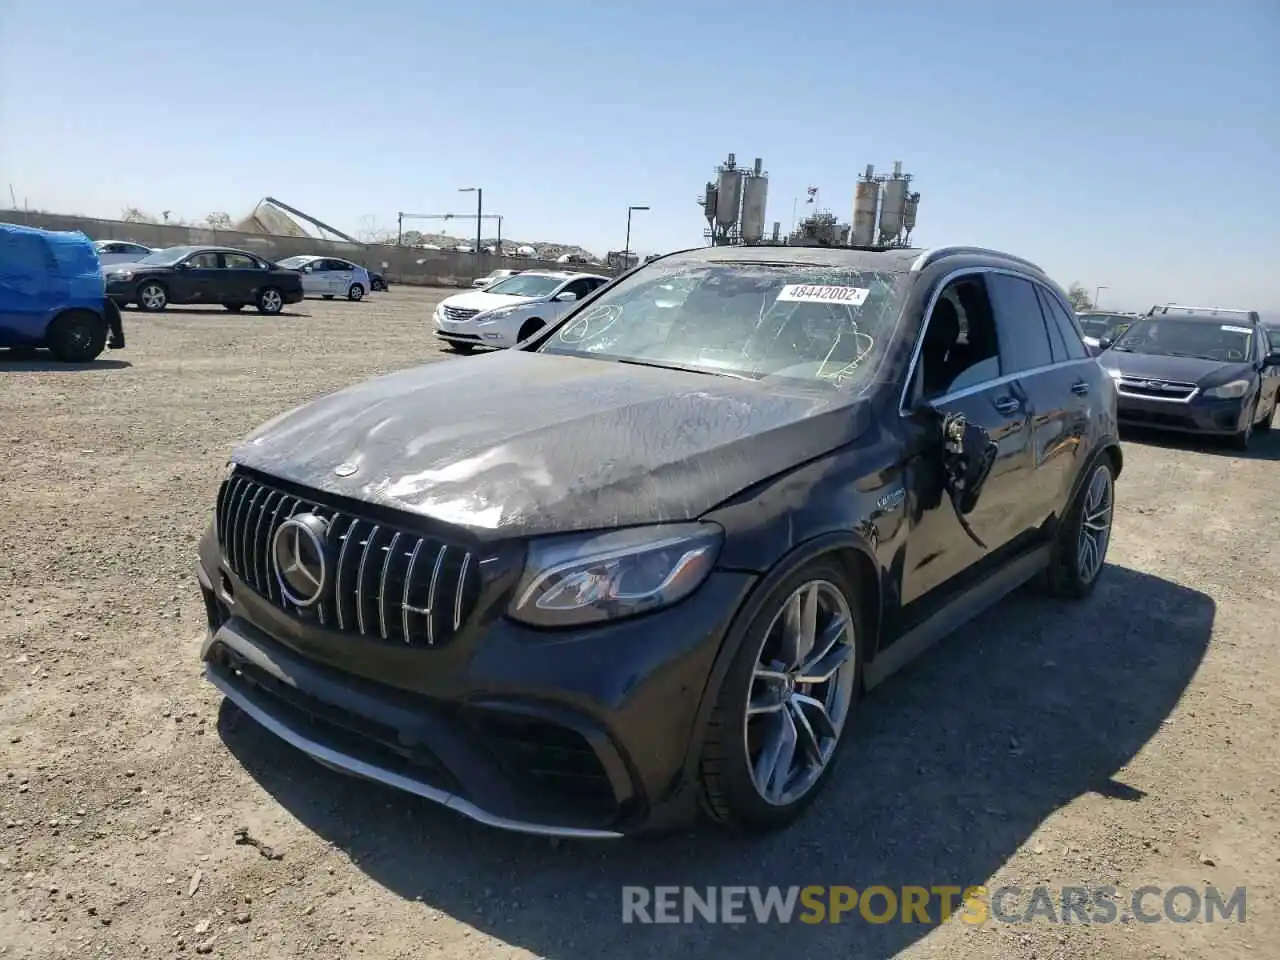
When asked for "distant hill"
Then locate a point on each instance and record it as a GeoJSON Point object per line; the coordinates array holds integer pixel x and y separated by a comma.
{"type": "Point", "coordinates": [543, 250]}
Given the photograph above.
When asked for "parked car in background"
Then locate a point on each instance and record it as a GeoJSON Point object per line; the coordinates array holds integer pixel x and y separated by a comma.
{"type": "Point", "coordinates": [120, 251]}
{"type": "Point", "coordinates": [233, 278]}
{"type": "Point", "coordinates": [52, 294]}
{"type": "Point", "coordinates": [631, 571]}
{"type": "Point", "coordinates": [377, 282]}
{"type": "Point", "coordinates": [493, 278]}
{"type": "Point", "coordinates": [511, 310]}
{"type": "Point", "coordinates": [1100, 326]}
{"type": "Point", "coordinates": [1196, 370]}
{"type": "Point", "coordinates": [330, 277]}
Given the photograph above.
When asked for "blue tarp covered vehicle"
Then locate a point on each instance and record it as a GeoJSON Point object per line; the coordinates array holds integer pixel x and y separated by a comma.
{"type": "Point", "coordinates": [52, 294]}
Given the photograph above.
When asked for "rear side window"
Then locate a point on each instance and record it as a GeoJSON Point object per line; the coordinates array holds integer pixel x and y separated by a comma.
{"type": "Point", "coordinates": [1056, 314]}
{"type": "Point", "coordinates": [1024, 341]}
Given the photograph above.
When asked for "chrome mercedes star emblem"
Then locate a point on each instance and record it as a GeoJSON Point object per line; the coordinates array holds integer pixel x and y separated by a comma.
{"type": "Point", "coordinates": [300, 554]}
{"type": "Point", "coordinates": [345, 469]}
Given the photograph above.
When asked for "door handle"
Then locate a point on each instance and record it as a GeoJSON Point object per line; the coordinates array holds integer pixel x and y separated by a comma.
{"type": "Point", "coordinates": [1080, 388]}
{"type": "Point", "coordinates": [1008, 405]}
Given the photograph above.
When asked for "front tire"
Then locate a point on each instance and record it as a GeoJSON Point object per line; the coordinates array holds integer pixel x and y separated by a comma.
{"type": "Point", "coordinates": [153, 296]}
{"type": "Point", "coordinates": [530, 328]}
{"type": "Point", "coordinates": [356, 292]}
{"type": "Point", "coordinates": [270, 301]}
{"type": "Point", "coordinates": [77, 336]}
{"type": "Point", "coordinates": [1079, 550]}
{"type": "Point", "coordinates": [777, 726]}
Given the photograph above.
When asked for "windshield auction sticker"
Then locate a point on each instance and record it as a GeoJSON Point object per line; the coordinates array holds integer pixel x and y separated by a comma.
{"type": "Point", "coordinates": [1225, 327]}
{"type": "Point", "coordinates": [809, 293]}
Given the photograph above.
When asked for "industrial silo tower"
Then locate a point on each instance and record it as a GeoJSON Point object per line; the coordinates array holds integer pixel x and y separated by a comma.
{"type": "Point", "coordinates": [866, 206]}
{"type": "Point", "coordinates": [755, 195]}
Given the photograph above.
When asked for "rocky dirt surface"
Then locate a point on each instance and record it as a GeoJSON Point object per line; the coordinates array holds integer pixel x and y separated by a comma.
{"type": "Point", "coordinates": [1126, 741]}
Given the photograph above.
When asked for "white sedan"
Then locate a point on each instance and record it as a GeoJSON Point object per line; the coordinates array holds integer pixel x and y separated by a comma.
{"type": "Point", "coordinates": [111, 252]}
{"type": "Point", "coordinates": [512, 310]}
{"type": "Point", "coordinates": [492, 278]}
{"type": "Point", "coordinates": [330, 277]}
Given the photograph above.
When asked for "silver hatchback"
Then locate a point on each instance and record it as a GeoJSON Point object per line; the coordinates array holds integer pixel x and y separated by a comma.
{"type": "Point", "coordinates": [330, 277]}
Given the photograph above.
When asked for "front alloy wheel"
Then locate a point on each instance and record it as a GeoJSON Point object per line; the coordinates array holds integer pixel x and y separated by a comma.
{"type": "Point", "coordinates": [801, 692]}
{"type": "Point", "coordinates": [777, 725]}
{"type": "Point", "coordinates": [153, 297]}
{"type": "Point", "coordinates": [270, 301]}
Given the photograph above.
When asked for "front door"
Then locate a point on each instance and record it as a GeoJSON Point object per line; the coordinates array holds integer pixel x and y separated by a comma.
{"type": "Point", "coordinates": [197, 280]}
{"type": "Point", "coordinates": [961, 372]}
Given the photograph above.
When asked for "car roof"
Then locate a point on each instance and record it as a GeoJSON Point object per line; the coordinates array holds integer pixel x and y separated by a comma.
{"type": "Point", "coordinates": [877, 259]}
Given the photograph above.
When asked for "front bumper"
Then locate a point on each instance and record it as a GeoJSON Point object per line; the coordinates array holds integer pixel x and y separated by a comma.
{"type": "Point", "coordinates": [292, 296]}
{"type": "Point", "coordinates": [584, 733]}
{"type": "Point", "coordinates": [1202, 415]}
{"type": "Point", "coordinates": [467, 331]}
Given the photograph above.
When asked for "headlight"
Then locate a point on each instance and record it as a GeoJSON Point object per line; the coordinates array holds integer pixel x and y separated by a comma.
{"type": "Point", "coordinates": [606, 576]}
{"type": "Point", "coordinates": [1228, 391]}
{"type": "Point", "coordinates": [121, 275]}
{"type": "Point", "coordinates": [1113, 373]}
{"type": "Point", "coordinates": [499, 313]}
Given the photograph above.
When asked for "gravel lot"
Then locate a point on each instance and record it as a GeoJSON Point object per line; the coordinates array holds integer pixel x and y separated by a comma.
{"type": "Point", "coordinates": [1127, 741]}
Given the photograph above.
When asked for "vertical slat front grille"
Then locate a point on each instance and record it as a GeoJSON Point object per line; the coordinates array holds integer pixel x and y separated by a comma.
{"type": "Point", "coordinates": [384, 583]}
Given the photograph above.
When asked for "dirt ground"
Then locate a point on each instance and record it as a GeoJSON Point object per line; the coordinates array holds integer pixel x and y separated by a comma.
{"type": "Point", "coordinates": [1130, 740]}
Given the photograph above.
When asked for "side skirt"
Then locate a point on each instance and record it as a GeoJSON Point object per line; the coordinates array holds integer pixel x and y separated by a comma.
{"type": "Point", "coordinates": [962, 609]}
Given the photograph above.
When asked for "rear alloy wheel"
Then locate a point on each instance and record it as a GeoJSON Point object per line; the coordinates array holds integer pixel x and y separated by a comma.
{"type": "Point", "coordinates": [77, 336]}
{"type": "Point", "coordinates": [1079, 551]}
{"type": "Point", "coordinates": [153, 296]}
{"type": "Point", "coordinates": [270, 301]}
{"type": "Point", "coordinates": [356, 292]}
{"type": "Point", "coordinates": [777, 725]}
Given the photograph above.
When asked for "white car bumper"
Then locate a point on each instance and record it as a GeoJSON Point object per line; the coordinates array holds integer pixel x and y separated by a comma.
{"type": "Point", "coordinates": [483, 334]}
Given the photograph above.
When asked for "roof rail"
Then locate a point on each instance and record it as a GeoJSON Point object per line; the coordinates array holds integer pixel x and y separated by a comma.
{"type": "Point", "coordinates": [1211, 311]}
{"type": "Point", "coordinates": [933, 256]}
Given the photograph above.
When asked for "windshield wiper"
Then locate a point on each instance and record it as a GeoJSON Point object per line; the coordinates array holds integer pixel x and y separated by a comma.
{"type": "Point", "coordinates": [674, 366]}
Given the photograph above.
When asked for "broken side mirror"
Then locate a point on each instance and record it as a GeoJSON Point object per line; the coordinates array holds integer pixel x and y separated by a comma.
{"type": "Point", "coordinates": [969, 453]}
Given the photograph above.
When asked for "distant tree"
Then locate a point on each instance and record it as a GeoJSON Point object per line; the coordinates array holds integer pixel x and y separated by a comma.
{"type": "Point", "coordinates": [134, 215]}
{"type": "Point", "coordinates": [412, 238]}
{"type": "Point", "coordinates": [1079, 298]}
{"type": "Point", "coordinates": [218, 221]}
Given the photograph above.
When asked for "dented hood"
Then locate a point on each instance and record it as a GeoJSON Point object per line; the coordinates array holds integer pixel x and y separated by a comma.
{"type": "Point", "coordinates": [517, 444]}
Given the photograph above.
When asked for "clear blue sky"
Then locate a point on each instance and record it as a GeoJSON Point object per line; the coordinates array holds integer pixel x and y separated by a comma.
{"type": "Point", "coordinates": [1137, 148]}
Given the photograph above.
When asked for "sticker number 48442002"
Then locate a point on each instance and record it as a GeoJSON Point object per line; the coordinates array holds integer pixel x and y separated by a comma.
{"type": "Point", "coordinates": [810, 293]}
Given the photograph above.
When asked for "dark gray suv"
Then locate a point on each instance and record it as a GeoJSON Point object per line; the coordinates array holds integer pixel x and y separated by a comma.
{"type": "Point", "coordinates": [645, 563]}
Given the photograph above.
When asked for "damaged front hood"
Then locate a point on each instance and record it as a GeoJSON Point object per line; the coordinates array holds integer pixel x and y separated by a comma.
{"type": "Point", "coordinates": [516, 443]}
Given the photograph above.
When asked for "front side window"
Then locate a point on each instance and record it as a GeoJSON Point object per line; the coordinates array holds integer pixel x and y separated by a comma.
{"type": "Point", "coordinates": [1171, 336]}
{"type": "Point", "coordinates": [815, 324]}
{"type": "Point", "coordinates": [204, 261]}
{"type": "Point", "coordinates": [239, 261]}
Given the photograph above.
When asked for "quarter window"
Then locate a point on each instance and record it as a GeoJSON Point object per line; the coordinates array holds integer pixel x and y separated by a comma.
{"type": "Point", "coordinates": [1058, 317]}
{"type": "Point", "coordinates": [1024, 341]}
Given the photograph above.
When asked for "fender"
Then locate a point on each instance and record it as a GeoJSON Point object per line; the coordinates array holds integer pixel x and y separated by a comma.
{"type": "Point", "coordinates": [1105, 444]}
{"type": "Point", "coordinates": [798, 556]}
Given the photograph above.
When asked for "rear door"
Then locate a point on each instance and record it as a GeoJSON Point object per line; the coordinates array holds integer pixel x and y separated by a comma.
{"type": "Point", "coordinates": [1058, 391]}
{"type": "Point", "coordinates": [241, 276]}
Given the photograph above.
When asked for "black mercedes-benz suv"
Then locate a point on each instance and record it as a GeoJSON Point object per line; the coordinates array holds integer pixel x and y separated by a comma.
{"type": "Point", "coordinates": [1196, 370]}
{"type": "Point", "coordinates": [644, 563]}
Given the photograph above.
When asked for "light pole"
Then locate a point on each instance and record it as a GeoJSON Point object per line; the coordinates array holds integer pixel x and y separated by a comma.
{"type": "Point", "coordinates": [479, 211]}
{"type": "Point", "coordinates": [1097, 292]}
{"type": "Point", "coordinates": [626, 250]}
